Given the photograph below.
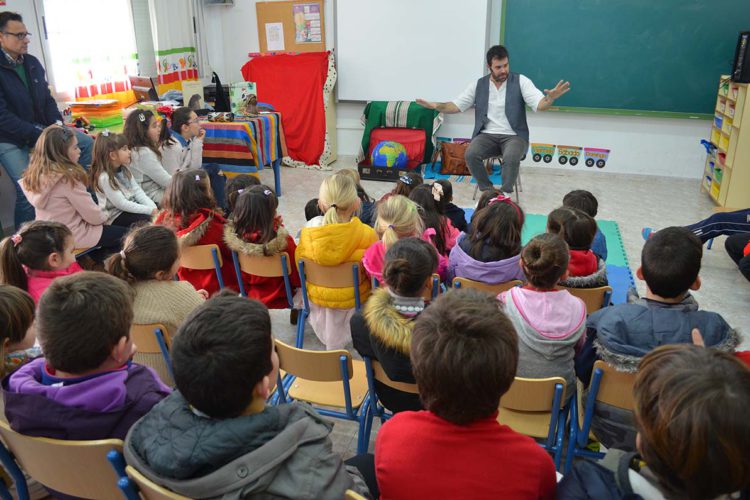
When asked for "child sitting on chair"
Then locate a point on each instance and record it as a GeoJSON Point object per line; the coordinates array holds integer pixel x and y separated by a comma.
{"type": "Point", "coordinates": [255, 229]}
{"type": "Point", "coordinates": [578, 229]}
{"type": "Point", "coordinates": [397, 217]}
{"type": "Point", "coordinates": [366, 203]}
{"type": "Point", "coordinates": [189, 209]}
{"type": "Point", "coordinates": [223, 438]}
{"type": "Point", "coordinates": [16, 329]}
{"type": "Point", "coordinates": [550, 322]}
{"type": "Point", "coordinates": [382, 331]}
{"type": "Point", "coordinates": [586, 202]}
{"type": "Point", "coordinates": [490, 252]}
{"type": "Point", "coordinates": [622, 334]}
{"type": "Point", "coordinates": [464, 353]}
{"type": "Point", "coordinates": [148, 262]}
{"type": "Point", "coordinates": [404, 185]}
{"type": "Point", "coordinates": [442, 191]}
{"type": "Point", "coordinates": [85, 386]}
{"type": "Point", "coordinates": [335, 238]}
{"type": "Point", "coordinates": [691, 407]}
{"type": "Point", "coordinates": [235, 187]}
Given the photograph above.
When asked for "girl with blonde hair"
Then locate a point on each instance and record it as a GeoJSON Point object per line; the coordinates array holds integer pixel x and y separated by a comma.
{"type": "Point", "coordinates": [334, 238]}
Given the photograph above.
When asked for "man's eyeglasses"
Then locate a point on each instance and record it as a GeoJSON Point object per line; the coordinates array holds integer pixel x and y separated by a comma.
{"type": "Point", "coordinates": [21, 36]}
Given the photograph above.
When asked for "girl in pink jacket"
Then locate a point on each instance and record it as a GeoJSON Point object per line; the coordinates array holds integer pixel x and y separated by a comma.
{"type": "Point", "coordinates": [36, 255]}
{"type": "Point", "coordinates": [55, 184]}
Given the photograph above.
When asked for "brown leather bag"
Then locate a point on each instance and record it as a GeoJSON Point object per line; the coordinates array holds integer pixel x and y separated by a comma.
{"type": "Point", "coordinates": [452, 156]}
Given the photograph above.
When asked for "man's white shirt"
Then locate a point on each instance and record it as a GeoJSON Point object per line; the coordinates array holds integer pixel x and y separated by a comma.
{"type": "Point", "coordinates": [498, 122]}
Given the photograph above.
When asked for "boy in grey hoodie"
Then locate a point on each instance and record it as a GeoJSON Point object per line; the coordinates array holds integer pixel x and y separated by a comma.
{"type": "Point", "coordinates": [215, 437]}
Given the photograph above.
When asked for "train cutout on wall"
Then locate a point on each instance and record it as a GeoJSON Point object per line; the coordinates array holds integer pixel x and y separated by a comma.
{"type": "Point", "coordinates": [569, 154]}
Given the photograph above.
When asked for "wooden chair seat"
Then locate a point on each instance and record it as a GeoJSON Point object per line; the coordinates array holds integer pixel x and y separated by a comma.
{"type": "Point", "coordinates": [594, 298]}
{"type": "Point", "coordinates": [494, 289]}
{"type": "Point", "coordinates": [330, 393]}
{"type": "Point", "coordinates": [149, 490]}
{"type": "Point", "coordinates": [528, 423]}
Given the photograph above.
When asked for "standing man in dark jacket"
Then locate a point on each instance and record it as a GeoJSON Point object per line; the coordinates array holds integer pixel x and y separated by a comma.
{"type": "Point", "coordinates": [500, 127]}
{"type": "Point", "coordinates": [26, 107]}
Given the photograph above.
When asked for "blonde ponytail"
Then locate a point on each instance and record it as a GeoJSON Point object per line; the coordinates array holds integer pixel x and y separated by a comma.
{"type": "Point", "coordinates": [398, 217]}
{"type": "Point", "coordinates": [338, 195]}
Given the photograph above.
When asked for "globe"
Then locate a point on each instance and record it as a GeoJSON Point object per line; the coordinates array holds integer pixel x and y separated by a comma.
{"type": "Point", "coordinates": [389, 154]}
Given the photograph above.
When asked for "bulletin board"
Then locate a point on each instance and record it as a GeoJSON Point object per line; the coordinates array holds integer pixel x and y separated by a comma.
{"type": "Point", "coordinates": [300, 21]}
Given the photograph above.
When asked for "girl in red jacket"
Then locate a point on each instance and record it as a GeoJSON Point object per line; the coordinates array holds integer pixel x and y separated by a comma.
{"type": "Point", "coordinates": [254, 229]}
{"type": "Point", "coordinates": [189, 208]}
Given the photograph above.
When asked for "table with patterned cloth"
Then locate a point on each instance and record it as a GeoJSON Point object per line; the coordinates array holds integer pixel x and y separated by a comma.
{"type": "Point", "coordinates": [246, 145]}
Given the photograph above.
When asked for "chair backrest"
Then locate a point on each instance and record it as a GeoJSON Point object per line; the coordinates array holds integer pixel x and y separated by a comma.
{"type": "Point", "coordinates": [320, 366]}
{"type": "Point", "coordinates": [144, 338]}
{"type": "Point", "coordinates": [615, 388]}
{"type": "Point", "coordinates": [339, 276]}
{"type": "Point", "coordinates": [379, 374]}
{"type": "Point", "coordinates": [531, 394]}
{"type": "Point", "coordinates": [200, 257]}
{"type": "Point", "coordinates": [494, 289]}
{"type": "Point", "coordinates": [150, 490]}
{"type": "Point", "coordinates": [150, 353]}
{"type": "Point", "coordinates": [78, 468]}
{"type": "Point", "coordinates": [594, 298]}
{"type": "Point", "coordinates": [433, 290]}
{"type": "Point", "coordinates": [269, 267]}
{"type": "Point", "coordinates": [529, 404]}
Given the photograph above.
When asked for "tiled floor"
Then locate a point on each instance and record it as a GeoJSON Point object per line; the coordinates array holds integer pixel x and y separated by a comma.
{"type": "Point", "coordinates": [633, 201]}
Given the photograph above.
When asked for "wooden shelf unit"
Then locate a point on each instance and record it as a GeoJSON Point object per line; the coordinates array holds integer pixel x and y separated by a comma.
{"type": "Point", "coordinates": [726, 176]}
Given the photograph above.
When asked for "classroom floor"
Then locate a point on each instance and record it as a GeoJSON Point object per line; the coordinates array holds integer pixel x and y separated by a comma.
{"type": "Point", "coordinates": [634, 201]}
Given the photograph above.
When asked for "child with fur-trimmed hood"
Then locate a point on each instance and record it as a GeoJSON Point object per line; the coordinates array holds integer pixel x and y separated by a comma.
{"type": "Point", "coordinates": [254, 229]}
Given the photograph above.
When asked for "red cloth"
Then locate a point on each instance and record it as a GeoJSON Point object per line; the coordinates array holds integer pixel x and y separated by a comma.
{"type": "Point", "coordinates": [744, 357]}
{"type": "Point", "coordinates": [271, 290]}
{"type": "Point", "coordinates": [420, 455]}
{"type": "Point", "coordinates": [746, 250]}
{"type": "Point", "coordinates": [582, 263]}
{"type": "Point", "coordinates": [294, 85]}
{"type": "Point", "coordinates": [212, 233]}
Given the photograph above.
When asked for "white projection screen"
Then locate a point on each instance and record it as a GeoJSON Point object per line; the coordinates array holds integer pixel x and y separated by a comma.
{"type": "Point", "coordinates": [393, 50]}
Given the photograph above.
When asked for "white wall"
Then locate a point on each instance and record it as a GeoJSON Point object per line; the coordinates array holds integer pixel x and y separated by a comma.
{"type": "Point", "coordinates": [658, 146]}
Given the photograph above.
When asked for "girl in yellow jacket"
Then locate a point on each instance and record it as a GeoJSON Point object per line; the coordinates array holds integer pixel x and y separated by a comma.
{"type": "Point", "coordinates": [332, 239]}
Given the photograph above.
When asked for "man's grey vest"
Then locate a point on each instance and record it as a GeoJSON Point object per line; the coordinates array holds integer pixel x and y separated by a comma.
{"type": "Point", "coordinates": [515, 107]}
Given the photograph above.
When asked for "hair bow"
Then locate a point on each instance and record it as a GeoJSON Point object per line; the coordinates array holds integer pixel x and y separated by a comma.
{"type": "Point", "coordinates": [437, 191]}
{"type": "Point", "coordinates": [141, 117]}
{"type": "Point", "coordinates": [267, 192]}
{"type": "Point", "coordinates": [197, 177]}
{"type": "Point", "coordinates": [16, 239]}
{"type": "Point", "coordinates": [501, 198]}
{"type": "Point", "coordinates": [105, 132]}
{"type": "Point", "coordinates": [405, 179]}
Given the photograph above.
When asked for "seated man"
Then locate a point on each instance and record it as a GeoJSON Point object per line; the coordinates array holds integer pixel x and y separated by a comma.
{"type": "Point", "coordinates": [622, 334]}
{"type": "Point", "coordinates": [26, 107]}
{"type": "Point", "coordinates": [464, 354]}
{"type": "Point", "coordinates": [85, 386]}
{"type": "Point", "coordinates": [222, 437]}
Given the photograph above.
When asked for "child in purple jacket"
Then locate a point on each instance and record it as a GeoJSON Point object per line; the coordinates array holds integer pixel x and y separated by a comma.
{"type": "Point", "coordinates": [85, 387]}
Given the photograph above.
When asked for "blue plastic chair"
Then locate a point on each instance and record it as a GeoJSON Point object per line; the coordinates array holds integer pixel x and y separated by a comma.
{"type": "Point", "coordinates": [607, 386]}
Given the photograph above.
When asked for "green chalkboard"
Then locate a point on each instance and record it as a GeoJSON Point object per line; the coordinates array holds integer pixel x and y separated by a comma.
{"type": "Point", "coordinates": [645, 57]}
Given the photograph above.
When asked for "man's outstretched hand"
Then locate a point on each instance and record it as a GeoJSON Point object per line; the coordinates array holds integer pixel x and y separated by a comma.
{"type": "Point", "coordinates": [560, 89]}
{"type": "Point", "coordinates": [427, 104]}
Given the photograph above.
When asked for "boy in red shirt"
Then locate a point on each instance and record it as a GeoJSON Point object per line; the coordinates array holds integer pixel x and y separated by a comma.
{"type": "Point", "coordinates": [464, 354]}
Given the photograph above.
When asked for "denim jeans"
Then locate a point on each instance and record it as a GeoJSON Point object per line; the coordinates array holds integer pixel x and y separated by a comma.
{"type": "Point", "coordinates": [15, 160]}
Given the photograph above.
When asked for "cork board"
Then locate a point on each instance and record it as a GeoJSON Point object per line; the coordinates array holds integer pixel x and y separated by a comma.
{"type": "Point", "coordinates": [302, 23]}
